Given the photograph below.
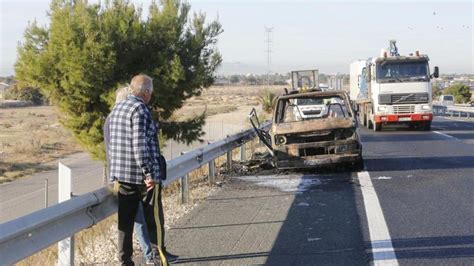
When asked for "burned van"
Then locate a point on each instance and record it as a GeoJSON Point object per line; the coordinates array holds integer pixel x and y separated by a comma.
{"type": "Point", "coordinates": [313, 128]}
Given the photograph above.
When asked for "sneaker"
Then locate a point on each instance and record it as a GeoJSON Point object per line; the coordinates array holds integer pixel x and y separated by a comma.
{"type": "Point", "coordinates": [152, 262]}
{"type": "Point", "coordinates": [170, 257]}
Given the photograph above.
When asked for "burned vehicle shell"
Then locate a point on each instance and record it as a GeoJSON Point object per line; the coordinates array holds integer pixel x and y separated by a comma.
{"type": "Point", "coordinates": [313, 129]}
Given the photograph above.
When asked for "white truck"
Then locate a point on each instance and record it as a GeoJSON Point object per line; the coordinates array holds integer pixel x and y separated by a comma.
{"type": "Point", "coordinates": [393, 89]}
{"type": "Point", "coordinates": [446, 100]}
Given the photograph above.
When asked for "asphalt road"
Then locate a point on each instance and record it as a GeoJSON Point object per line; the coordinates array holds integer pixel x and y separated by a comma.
{"type": "Point", "coordinates": [423, 183]}
{"type": "Point", "coordinates": [27, 194]}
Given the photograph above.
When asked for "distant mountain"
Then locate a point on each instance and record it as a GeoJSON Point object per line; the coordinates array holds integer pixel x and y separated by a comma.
{"type": "Point", "coordinates": [229, 68]}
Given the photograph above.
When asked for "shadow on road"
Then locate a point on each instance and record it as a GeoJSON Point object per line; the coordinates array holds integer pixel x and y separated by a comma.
{"type": "Point", "coordinates": [452, 125]}
{"type": "Point", "coordinates": [386, 136]}
{"type": "Point", "coordinates": [322, 226]}
{"type": "Point", "coordinates": [295, 219]}
{"type": "Point", "coordinates": [419, 163]}
{"type": "Point", "coordinates": [462, 136]}
{"type": "Point", "coordinates": [434, 247]}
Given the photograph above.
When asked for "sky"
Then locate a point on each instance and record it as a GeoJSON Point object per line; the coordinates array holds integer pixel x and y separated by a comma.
{"type": "Point", "coordinates": [324, 35]}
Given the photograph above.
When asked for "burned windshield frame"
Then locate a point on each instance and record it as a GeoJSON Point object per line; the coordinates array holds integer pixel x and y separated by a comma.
{"type": "Point", "coordinates": [288, 107]}
{"type": "Point", "coordinates": [402, 71]}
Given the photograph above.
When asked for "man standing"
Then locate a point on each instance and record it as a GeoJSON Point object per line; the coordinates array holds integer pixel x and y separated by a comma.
{"type": "Point", "coordinates": [133, 154]}
{"type": "Point", "coordinates": [140, 228]}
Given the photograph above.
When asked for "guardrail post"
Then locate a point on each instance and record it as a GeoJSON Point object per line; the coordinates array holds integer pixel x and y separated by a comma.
{"type": "Point", "coordinates": [66, 246]}
{"type": "Point", "coordinates": [212, 171]}
{"type": "Point", "coordinates": [229, 160]}
{"type": "Point", "coordinates": [243, 155]}
{"type": "Point", "coordinates": [183, 181]}
{"type": "Point", "coordinates": [46, 193]}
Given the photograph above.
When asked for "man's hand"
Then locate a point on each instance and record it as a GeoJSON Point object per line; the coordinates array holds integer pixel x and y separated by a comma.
{"type": "Point", "coordinates": [149, 183]}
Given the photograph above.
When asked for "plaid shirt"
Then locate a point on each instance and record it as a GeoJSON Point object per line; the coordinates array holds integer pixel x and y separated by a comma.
{"type": "Point", "coordinates": [132, 145]}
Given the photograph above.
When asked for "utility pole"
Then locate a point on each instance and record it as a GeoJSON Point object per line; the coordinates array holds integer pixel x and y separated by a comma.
{"type": "Point", "coordinates": [268, 42]}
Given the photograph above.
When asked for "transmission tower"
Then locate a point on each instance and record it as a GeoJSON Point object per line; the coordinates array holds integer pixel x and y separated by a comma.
{"type": "Point", "coordinates": [268, 42]}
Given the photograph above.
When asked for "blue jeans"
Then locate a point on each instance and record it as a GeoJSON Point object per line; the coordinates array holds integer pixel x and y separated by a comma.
{"type": "Point", "coordinates": [142, 233]}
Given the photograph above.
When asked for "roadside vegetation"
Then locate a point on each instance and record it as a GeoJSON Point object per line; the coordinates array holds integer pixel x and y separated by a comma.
{"type": "Point", "coordinates": [460, 92]}
{"type": "Point", "coordinates": [87, 51]}
{"type": "Point", "coordinates": [266, 100]}
{"type": "Point", "coordinates": [29, 94]}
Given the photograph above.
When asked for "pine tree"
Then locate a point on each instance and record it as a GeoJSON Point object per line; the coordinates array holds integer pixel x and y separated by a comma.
{"type": "Point", "coordinates": [89, 50]}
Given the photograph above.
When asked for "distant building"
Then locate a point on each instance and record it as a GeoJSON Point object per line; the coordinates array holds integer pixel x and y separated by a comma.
{"type": "Point", "coordinates": [3, 88]}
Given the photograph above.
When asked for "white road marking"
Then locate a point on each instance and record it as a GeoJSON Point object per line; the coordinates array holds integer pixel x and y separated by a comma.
{"type": "Point", "coordinates": [445, 135]}
{"type": "Point", "coordinates": [381, 243]}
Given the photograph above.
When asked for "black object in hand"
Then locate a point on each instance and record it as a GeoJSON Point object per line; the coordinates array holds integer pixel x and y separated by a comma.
{"type": "Point", "coordinates": [162, 165]}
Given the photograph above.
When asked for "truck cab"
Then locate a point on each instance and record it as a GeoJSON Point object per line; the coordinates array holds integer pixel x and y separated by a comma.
{"type": "Point", "coordinates": [393, 89]}
{"type": "Point", "coordinates": [446, 100]}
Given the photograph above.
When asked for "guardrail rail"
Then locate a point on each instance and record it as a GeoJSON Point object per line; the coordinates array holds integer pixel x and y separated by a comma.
{"type": "Point", "coordinates": [458, 111]}
{"type": "Point", "coordinates": [29, 234]}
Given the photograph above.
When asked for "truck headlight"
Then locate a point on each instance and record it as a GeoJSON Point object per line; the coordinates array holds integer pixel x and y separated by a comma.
{"type": "Point", "coordinates": [425, 107]}
{"type": "Point", "coordinates": [382, 108]}
{"type": "Point", "coordinates": [280, 140]}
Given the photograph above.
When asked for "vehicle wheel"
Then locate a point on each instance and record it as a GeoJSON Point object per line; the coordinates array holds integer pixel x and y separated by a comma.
{"type": "Point", "coordinates": [359, 165]}
{"type": "Point", "coordinates": [377, 126]}
{"type": "Point", "coordinates": [426, 126]}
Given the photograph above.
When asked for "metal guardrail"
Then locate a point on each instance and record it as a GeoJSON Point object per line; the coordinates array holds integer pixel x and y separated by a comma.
{"type": "Point", "coordinates": [34, 232]}
{"type": "Point", "coordinates": [459, 111]}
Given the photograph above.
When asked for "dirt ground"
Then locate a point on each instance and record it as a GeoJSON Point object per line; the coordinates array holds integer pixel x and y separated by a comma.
{"type": "Point", "coordinates": [30, 137]}
{"type": "Point", "coordinates": [219, 100]}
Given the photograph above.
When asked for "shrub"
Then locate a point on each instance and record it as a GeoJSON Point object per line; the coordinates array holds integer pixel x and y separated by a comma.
{"type": "Point", "coordinates": [25, 94]}
{"type": "Point", "coordinates": [266, 99]}
{"type": "Point", "coordinates": [460, 92]}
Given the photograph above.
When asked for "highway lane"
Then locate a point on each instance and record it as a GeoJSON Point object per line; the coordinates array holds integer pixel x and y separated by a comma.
{"type": "Point", "coordinates": [425, 183]}
{"type": "Point", "coordinates": [289, 218]}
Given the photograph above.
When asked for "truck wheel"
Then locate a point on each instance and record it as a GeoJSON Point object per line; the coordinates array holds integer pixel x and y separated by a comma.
{"type": "Point", "coordinates": [359, 165]}
{"type": "Point", "coordinates": [426, 126]}
{"type": "Point", "coordinates": [377, 126]}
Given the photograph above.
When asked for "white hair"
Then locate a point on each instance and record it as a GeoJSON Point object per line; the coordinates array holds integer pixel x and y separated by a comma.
{"type": "Point", "coordinates": [121, 94]}
{"type": "Point", "coordinates": [140, 84]}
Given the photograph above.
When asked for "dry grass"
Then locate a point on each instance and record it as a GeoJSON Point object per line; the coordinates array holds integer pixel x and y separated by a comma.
{"type": "Point", "coordinates": [31, 137]}
{"type": "Point", "coordinates": [225, 99]}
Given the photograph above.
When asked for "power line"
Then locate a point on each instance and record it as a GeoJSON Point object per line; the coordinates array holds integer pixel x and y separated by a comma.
{"type": "Point", "coordinates": [268, 42]}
